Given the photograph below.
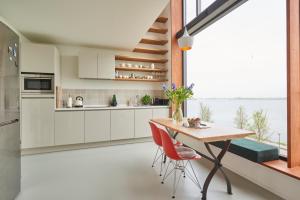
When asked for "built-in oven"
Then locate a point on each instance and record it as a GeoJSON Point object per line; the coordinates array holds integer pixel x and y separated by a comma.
{"type": "Point", "coordinates": [33, 83]}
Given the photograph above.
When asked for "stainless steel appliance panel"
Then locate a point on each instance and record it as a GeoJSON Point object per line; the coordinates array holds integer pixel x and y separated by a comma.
{"type": "Point", "coordinates": [9, 114]}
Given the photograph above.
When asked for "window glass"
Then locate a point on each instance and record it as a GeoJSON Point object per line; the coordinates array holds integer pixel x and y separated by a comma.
{"type": "Point", "coordinates": [190, 9]}
{"type": "Point", "coordinates": [238, 65]}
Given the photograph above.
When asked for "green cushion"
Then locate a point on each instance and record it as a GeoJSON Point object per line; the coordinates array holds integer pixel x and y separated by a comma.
{"type": "Point", "coordinates": [251, 150]}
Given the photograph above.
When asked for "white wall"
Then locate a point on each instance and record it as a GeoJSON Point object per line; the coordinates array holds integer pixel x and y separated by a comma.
{"type": "Point", "coordinates": [276, 182]}
{"type": "Point", "coordinates": [22, 37]}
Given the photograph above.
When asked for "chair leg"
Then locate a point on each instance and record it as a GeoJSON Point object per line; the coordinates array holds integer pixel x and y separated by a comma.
{"type": "Point", "coordinates": [161, 163]}
{"type": "Point", "coordinates": [174, 183]}
{"type": "Point", "coordinates": [165, 175]}
{"type": "Point", "coordinates": [192, 175]}
{"type": "Point", "coordinates": [154, 160]}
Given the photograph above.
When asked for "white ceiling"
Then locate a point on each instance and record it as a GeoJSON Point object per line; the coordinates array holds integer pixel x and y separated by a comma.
{"type": "Point", "coordinates": [97, 23]}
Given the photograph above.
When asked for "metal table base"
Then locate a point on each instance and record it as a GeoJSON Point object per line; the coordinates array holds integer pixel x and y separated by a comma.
{"type": "Point", "coordinates": [217, 164]}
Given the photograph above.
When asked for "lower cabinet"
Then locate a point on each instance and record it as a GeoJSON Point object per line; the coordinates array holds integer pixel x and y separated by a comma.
{"type": "Point", "coordinates": [161, 113]}
{"type": "Point", "coordinates": [42, 127]}
{"type": "Point", "coordinates": [141, 121]}
{"type": "Point", "coordinates": [122, 124]}
{"type": "Point", "coordinates": [37, 117]}
{"type": "Point", "coordinates": [69, 127]}
{"type": "Point", "coordinates": [97, 126]}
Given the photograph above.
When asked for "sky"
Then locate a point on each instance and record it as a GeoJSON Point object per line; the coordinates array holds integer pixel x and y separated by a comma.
{"type": "Point", "coordinates": [241, 55]}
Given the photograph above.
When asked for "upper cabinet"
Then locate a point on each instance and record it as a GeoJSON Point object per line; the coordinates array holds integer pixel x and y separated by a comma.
{"type": "Point", "coordinates": [106, 65]}
{"type": "Point", "coordinates": [88, 64]}
{"type": "Point", "coordinates": [96, 65]}
{"type": "Point", "coordinates": [39, 58]}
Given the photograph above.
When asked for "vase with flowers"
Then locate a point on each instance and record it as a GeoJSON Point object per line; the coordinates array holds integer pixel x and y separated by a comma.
{"type": "Point", "coordinates": [177, 96]}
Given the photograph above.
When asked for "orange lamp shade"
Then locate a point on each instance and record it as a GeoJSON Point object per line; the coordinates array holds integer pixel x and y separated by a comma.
{"type": "Point", "coordinates": [185, 42]}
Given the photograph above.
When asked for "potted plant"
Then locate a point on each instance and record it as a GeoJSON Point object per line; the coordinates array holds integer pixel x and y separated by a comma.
{"type": "Point", "coordinates": [177, 96]}
{"type": "Point", "coordinates": [146, 100]}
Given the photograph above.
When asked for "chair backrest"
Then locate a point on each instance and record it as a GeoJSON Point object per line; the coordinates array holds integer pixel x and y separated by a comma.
{"type": "Point", "coordinates": [155, 134]}
{"type": "Point", "coordinates": [168, 145]}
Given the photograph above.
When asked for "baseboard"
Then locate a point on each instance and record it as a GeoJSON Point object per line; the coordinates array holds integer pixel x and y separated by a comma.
{"type": "Point", "coordinates": [41, 150]}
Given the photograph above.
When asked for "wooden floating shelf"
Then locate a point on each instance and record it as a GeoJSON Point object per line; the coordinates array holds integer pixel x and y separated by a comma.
{"type": "Point", "coordinates": [139, 79]}
{"type": "Point", "coordinates": [161, 19]}
{"type": "Point", "coordinates": [127, 58]}
{"type": "Point", "coordinates": [158, 30]}
{"type": "Point", "coordinates": [151, 51]}
{"type": "Point", "coordinates": [154, 42]}
{"type": "Point", "coordinates": [140, 69]}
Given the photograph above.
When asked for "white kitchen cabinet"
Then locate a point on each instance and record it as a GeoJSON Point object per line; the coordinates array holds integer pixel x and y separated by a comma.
{"type": "Point", "coordinates": [141, 122]}
{"type": "Point", "coordinates": [161, 112]}
{"type": "Point", "coordinates": [106, 65]}
{"type": "Point", "coordinates": [97, 126]}
{"type": "Point", "coordinates": [122, 124]}
{"type": "Point", "coordinates": [88, 64]}
{"type": "Point", "coordinates": [39, 58]}
{"type": "Point", "coordinates": [37, 115]}
{"type": "Point", "coordinates": [69, 127]}
{"type": "Point", "coordinates": [96, 64]}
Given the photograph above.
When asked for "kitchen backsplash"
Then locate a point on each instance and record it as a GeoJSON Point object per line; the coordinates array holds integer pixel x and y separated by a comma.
{"type": "Point", "coordinates": [103, 97]}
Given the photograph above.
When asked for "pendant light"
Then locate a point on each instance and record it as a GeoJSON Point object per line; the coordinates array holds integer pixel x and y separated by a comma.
{"type": "Point", "coordinates": [185, 42]}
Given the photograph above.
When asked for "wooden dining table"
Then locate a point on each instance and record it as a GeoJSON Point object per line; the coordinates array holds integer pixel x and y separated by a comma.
{"type": "Point", "coordinates": [207, 134]}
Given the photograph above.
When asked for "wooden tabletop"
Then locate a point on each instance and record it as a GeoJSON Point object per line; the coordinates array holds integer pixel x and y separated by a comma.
{"type": "Point", "coordinates": [210, 134]}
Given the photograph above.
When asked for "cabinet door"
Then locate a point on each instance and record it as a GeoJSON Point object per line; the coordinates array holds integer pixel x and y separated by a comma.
{"type": "Point", "coordinates": [106, 65]}
{"type": "Point", "coordinates": [161, 112]}
{"type": "Point", "coordinates": [37, 117]}
{"type": "Point", "coordinates": [141, 122]}
{"type": "Point", "coordinates": [122, 124]}
{"type": "Point", "coordinates": [37, 58]}
{"type": "Point", "coordinates": [69, 127]}
{"type": "Point", "coordinates": [88, 64]}
{"type": "Point", "coordinates": [97, 126]}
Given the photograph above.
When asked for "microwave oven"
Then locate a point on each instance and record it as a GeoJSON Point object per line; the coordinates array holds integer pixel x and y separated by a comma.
{"type": "Point", "coordinates": [33, 83]}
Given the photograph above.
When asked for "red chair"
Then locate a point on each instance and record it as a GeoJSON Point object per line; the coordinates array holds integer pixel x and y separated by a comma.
{"type": "Point", "coordinates": [177, 157]}
{"type": "Point", "coordinates": [157, 140]}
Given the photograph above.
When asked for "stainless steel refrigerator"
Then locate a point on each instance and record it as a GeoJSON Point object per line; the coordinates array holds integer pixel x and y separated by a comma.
{"type": "Point", "coordinates": [10, 163]}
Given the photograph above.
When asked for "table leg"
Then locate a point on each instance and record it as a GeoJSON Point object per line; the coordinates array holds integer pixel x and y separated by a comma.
{"type": "Point", "coordinates": [217, 166]}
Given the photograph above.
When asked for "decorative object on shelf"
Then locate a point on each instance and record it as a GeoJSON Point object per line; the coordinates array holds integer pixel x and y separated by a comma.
{"type": "Point", "coordinates": [177, 96]}
{"type": "Point", "coordinates": [152, 66]}
{"type": "Point", "coordinates": [70, 102]}
{"type": "Point", "coordinates": [114, 101]}
{"type": "Point", "coordinates": [185, 42]}
{"type": "Point", "coordinates": [79, 101]}
{"type": "Point", "coordinates": [146, 99]}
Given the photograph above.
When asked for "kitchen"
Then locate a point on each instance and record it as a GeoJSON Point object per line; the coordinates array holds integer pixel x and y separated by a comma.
{"type": "Point", "coordinates": [84, 89]}
{"type": "Point", "coordinates": [72, 115]}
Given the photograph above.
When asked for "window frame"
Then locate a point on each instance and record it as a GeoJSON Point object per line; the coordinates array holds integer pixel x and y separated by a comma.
{"type": "Point", "coordinates": [293, 66]}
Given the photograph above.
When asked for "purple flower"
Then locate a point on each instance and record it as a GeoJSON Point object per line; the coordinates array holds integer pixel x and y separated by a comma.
{"type": "Point", "coordinates": [173, 86]}
{"type": "Point", "coordinates": [191, 86]}
{"type": "Point", "coordinates": [164, 87]}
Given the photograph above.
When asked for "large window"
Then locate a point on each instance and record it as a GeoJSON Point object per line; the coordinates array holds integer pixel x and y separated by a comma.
{"type": "Point", "coordinates": [238, 65]}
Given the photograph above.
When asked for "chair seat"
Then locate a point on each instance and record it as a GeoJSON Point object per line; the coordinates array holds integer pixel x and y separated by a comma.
{"type": "Point", "coordinates": [178, 143]}
{"type": "Point", "coordinates": [187, 153]}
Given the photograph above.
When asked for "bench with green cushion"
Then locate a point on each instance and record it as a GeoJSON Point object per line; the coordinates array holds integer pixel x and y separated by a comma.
{"type": "Point", "coordinates": [251, 150]}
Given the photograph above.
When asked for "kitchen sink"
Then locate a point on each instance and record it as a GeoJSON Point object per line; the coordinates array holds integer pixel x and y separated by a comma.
{"type": "Point", "coordinates": [96, 106]}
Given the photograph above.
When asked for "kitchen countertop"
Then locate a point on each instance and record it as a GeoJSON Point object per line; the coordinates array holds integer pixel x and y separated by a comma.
{"type": "Point", "coordinates": [103, 107]}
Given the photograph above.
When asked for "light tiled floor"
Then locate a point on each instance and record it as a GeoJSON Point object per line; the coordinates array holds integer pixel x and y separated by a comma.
{"type": "Point", "coordinates": [118, 173]}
